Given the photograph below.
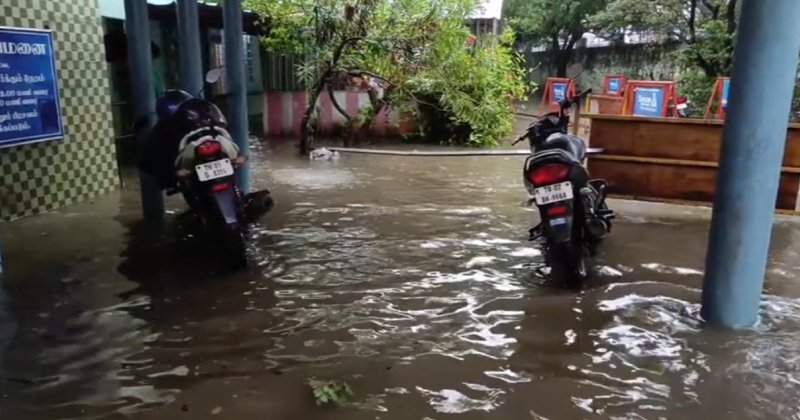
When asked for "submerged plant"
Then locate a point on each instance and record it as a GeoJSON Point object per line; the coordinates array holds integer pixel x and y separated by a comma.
{"type": "Point", "coordinates": [330, 391]}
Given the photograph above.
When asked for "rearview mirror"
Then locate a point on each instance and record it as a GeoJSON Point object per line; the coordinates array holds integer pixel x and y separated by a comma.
{"type": "Point", "coordinates": [213, 76]}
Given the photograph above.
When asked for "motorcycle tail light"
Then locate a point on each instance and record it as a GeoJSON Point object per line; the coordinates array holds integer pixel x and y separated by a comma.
{"type": "Point", "coordinates": [220, 187]}
{"type": "Point", "coordinates": [208, 148]}
{"type": "Point", "coordinates": [548, 174]}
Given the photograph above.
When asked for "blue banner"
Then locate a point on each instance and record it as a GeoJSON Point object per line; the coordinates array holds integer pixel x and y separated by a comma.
{"type": "Point", "coordinates": [559, 91]}
{"type": "Point", "coordinates": [29, 107]}
{"type": "Point", "coordinates": [648, 101]}
{"type": "Point", "coordinates": [614, 85]}
{"type": "Point", "coordinates": [726, 85]}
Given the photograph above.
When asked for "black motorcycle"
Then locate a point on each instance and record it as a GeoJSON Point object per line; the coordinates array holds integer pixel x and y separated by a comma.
{"type": "Point", "coordinates": [189, 151]}
{"type": "Point", "coordinates": [573, 212]}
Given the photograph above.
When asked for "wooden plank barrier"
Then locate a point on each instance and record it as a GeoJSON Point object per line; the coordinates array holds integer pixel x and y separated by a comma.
{"type": "Point", "coordinates": [674, 160]}
{"type": "Point", "coordinates": [603, 104]}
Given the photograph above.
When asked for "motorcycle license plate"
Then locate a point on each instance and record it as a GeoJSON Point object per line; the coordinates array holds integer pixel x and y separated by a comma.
{"type": "Point", "coordinates": [553, 193]}
{"type": "Point", "coordinates": [214, 170]}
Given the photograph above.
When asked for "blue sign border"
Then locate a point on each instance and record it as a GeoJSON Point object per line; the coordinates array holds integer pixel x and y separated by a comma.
{"type": "Point", "coordinates": [617, 83]}
{"type": "Point", "coordinates": [553, 86]}
{"type": "Point", "coordinates": [57, 94]}
{"type": "Point", "coordinates": [726, 86]}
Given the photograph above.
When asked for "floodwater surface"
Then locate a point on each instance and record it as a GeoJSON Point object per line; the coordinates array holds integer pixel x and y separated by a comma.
{"type": "Point", "coordinates": [411, 279]}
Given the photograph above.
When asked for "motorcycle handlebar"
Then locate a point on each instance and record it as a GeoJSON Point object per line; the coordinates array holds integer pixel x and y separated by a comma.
{"type": "Point", "coordinates": [583, 94]}
{"type": "Point", "coordinates": [568, 103]}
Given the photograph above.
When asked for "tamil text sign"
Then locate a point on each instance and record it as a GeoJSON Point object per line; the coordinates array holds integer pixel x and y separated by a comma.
{"type": "Point", "coordinates": [29, 103]}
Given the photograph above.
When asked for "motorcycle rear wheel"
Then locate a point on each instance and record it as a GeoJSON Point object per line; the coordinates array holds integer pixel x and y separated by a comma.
{"type": "Point", "coordinates": [567, 264]}
{"type": "Point", "coordinates": [234, 249]}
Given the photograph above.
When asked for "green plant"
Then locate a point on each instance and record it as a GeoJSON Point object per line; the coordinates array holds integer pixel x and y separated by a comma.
{"type": "Point", "coordinates": [696, 87]}
{"type": "Point", "coordinates": [330, 391]}
{"type": "Point", "coordinates": [471, 92]}
{"type": "Point", "coordinates": [360, 41]}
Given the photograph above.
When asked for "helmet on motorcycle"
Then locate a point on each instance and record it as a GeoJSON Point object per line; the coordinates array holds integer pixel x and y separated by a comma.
{"type": "Point", "coordinates": [170, 101]}
{"type": "Point", "coordinates": [196, 113]}
{"type": "Point", "coordinates": [546, 125]}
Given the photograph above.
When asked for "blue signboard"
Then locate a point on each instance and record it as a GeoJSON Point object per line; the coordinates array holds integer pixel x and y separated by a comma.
{"type": "Point", "coordinates": [648, 101]}
{"type": "Point", "coordinates": [559, 91]}
{"type": "Point", "coordinates": [726, 84]}
{"type": "Point", "coordinates": [614, 85]}
{"type": "Point", "coordinates": [29, 107]}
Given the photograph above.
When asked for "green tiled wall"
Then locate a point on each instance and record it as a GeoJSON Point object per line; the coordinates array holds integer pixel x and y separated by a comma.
{"type": "Point", "coordinates": [44, 176]}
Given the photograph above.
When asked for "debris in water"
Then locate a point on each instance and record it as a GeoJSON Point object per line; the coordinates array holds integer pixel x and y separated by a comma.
{"type": "Point", "coordinates": [480, 261]}
{"type": "Point", "coordinates": [323, 154]}
{"type": "Point", "coordinates": [216, 411]}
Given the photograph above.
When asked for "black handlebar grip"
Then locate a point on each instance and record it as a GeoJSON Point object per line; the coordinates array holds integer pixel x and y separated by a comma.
{"type": "Point", "coordinates": [584, 93]}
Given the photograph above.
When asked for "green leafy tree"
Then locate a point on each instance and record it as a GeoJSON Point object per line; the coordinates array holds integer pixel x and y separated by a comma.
{"type": "Point", "coordinates": [396, 50]}
{"type": "Point", "coordinates": [704, 29]}
{"type": "Point", "coordinates": [557, 24]}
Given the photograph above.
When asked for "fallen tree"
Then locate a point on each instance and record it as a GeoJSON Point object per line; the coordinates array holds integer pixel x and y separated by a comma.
{"type": "Point", "coordinates": [397, 51]}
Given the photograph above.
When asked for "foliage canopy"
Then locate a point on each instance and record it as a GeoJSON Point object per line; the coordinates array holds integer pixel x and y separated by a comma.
{"type": "Point", "coordinates": [400, 51]}
{"type": "Point", "coordinates": [703, 29]}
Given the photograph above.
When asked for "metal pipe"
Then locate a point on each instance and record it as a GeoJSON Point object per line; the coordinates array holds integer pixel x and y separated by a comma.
{"type": "Point", "coordinates": [235, 71]}
{"type": "Point", "coordinates": [140, 64]}
{"type": "Point", "coordinates": [189, 51]}
{"type": "Point", "coordinates": [754, 136]}
{"type": "Point", "coordinates": [445, 153]}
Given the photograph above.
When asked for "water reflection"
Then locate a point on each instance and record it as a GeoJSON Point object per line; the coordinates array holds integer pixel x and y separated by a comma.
{"type": "Point", "coordinates": [410, 279]}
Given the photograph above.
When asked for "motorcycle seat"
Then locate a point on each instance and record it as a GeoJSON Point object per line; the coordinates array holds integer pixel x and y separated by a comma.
{"type": "Point", "coordinates": [191, 140]}
{"type": "Point", "coordinates": [566, 142]}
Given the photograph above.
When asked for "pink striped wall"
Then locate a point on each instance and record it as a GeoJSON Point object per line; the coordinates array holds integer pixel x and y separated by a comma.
{"type": "Point", "coordinates": [283, 113]}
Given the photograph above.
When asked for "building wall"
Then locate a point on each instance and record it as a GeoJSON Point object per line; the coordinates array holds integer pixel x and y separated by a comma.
{"type": "Point", "coordinates": [283, 114]}
{"type": "Point", "coordinates": [40, 177]}
{"type": "Point", "coordinates": [589, 65]}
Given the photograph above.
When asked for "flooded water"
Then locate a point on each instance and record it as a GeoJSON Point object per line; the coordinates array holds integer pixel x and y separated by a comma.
{"type": "Point", "coordinates": [409, 278]}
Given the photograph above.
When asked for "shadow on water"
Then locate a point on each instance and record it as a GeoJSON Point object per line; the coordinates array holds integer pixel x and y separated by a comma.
{"type": "Point", "coordinates": [410, 279]}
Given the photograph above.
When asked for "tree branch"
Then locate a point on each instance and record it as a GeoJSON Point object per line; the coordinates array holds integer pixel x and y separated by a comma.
{"type": "Point", "coordinates": [708, 69]}
{"type": "Point", "coordinates": [336, 104]}
{"type": "Point", "coordinates": [712, 8]}
{"type": "Point", "coordinates": [731, 16]}
{"type": "Point", "coordinates": [370, 74]}
{"type": "Point", "coordinates": [574, 37]}
{"type": "Point", "coordinates": [337, 53]}
{"type": "Point", "coordinates": [693, 22]}
{"type": "Point", "coordinates": [564, 45]}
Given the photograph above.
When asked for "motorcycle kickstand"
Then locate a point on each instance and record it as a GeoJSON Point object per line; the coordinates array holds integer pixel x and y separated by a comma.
{"type": "Point", "coordinates": [535, 233]}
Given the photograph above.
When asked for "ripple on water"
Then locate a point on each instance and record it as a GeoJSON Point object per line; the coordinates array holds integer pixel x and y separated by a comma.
{"type": "Point", "coordinates": [655, 353]}
{"type": "Point", "coordinates": [451, 401]}
{"type": "Point", "coordinates": [664, 269]}
{"type": "Point", "coordinates": [319, 178]}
